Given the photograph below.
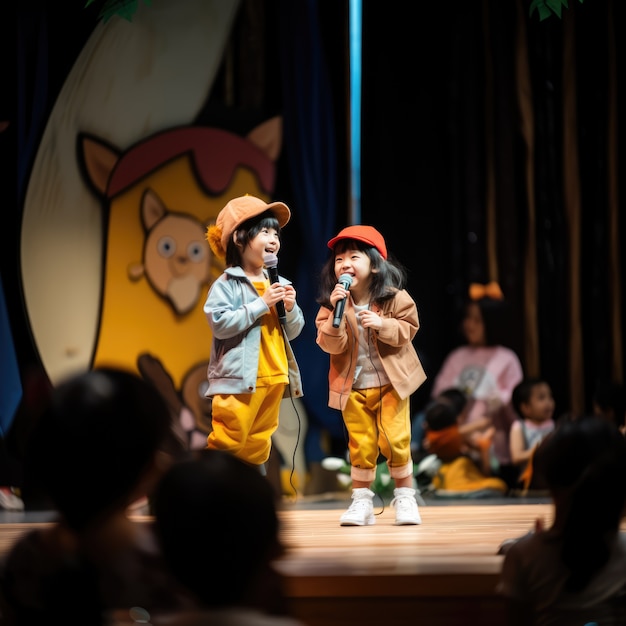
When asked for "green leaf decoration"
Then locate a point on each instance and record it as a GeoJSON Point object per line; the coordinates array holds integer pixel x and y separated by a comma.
{"type": "Point", "coordinates": [545, 8]}
{"type": "Point", "coordinates": [123, 8]}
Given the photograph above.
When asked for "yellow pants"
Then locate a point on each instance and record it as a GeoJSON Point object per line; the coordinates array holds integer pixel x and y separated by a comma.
{"type": "Point", "coordinates": [378, 421]}
{"type": "Point", "coordinates": [463, 475]}
{"type": "Point", "coordinates": [243, 424]}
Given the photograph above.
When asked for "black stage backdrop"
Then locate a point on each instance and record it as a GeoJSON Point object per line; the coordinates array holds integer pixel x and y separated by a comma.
{"type": "Point", "coordinates": [493, 149]}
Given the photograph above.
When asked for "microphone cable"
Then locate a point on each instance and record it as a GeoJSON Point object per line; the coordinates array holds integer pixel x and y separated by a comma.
{"type": "Point", "coordinates": [283, 332]}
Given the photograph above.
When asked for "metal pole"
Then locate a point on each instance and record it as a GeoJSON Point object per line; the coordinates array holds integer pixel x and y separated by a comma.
{"type": "Point", "coordinates": [355, 110]}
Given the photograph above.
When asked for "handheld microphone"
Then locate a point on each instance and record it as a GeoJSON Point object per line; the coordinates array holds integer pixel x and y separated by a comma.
{"type": "Point", "coordinates": [271, 264]}
{"type": "Point", "coordinates": [345, 280]}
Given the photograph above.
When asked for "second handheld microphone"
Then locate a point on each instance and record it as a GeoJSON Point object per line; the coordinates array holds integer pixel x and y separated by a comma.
{"type": "Point", "coordinates": [271, 263]}
{"type": "Point", "coordinates": [345, 280]}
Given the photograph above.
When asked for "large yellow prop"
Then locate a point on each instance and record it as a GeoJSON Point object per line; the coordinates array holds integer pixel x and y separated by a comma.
{"type": "Point", "coordinates": [159, 197]}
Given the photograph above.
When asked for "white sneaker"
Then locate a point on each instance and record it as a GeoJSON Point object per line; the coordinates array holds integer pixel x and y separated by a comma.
{"type": "Point", "coordinates": [9, 500]}
{"type": "Point", "coordinates": [361, 511]}
{"type": "Point", "coordinates": [405, 504]}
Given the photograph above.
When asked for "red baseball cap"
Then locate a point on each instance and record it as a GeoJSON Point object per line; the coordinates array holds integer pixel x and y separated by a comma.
{"type": "Point", "coordinates": [366, 234]}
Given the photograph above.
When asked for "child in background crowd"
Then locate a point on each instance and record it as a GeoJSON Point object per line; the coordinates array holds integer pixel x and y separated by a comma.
{"type": "Point", "coordinates": [534, 404]}
{"type": "Point", "coordinates": [374, 367]}
{"type": "Point", "coordinates": [449, 435]}
{"type": "Point", "coordinates": [463, 448]}
{"type": "Point", "coordinates": [252, 366]}
{"type": "Point", "coordinates": [202, 509]}
{"type": "Point", "coordinates": [101, 444]}
{"type": "Point", "coordinates": [485, 369]}
{"type": "Point", "coordinates": [573, 572]}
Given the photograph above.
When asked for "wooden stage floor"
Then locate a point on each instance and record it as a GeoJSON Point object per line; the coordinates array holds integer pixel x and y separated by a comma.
{"type": "Point", "coordinates": [442, 572]}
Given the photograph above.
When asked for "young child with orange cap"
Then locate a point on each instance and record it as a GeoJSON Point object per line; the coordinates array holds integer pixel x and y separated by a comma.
{"type": "Point", "coordinates": [252, 366]}
{"type": "Point", "coordinates": [367, 322]}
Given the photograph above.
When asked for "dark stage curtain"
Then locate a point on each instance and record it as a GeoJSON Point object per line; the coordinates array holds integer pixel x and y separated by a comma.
{"type": "Point", "coordinates": [313, 149]}
{"type": "Point", "coordinates": [491, 144]}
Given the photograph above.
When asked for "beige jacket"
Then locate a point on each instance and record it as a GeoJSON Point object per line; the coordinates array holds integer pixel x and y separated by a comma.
{"type": "Point", "coordinates": [393, 341]}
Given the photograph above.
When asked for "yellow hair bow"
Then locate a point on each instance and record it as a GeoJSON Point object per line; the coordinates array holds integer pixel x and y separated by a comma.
{"type": "Point", "coordinates": [490, 290]}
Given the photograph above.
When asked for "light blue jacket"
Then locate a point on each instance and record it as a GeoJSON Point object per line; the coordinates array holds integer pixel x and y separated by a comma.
{"type": "Point", "coordinates": [234, 310]}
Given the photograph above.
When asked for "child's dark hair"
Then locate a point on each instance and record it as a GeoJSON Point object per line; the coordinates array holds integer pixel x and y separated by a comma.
{"type": "Point", "coordinates": [388, 276]}
{"type": "Point", "coordinates": [245, 232]}
{"type": "Point", "coordinates": [439, 415]}
{"type": "Point", "coordinates": [610, 398]}
{"type": "Point", "coordinates": [444, 410]}
{"type": "Point", "coordinates": [202, 540]}
{"type": "Point", "coordinates": [522, 392]}
{"type": "Point", "coordinates": [455, 396]}
{"type": "Point", "coordinates": [585, 460]}
{"type": "Point", "coordinates": [495, 315]}
{"type": "Point", "coordinates": [97, 436]}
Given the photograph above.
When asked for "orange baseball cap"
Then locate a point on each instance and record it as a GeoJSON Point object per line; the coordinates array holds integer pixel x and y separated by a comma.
{"type": "Point", "coordinates": [235, 213]}
{"type": "Point", "coordinates": [366, 234]}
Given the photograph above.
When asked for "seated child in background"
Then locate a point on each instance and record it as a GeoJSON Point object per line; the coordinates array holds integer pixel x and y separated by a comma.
{"type": "Point", "coordinates": [449, 435]}
{"type": "Point", "coordinates": [218, 527]}
{"type": "Point", "coordinates": [464, 448]}
{"type": "Point", "coordinates": [533, 402]}
{"type": "Point", "coordinates": [103, 441]}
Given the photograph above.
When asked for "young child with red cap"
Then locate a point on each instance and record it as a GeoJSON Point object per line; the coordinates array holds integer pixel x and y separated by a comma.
{"type": "Point", "coordinates": [367, 322]}
{"type": "Point", "coordinates": [252, 366]}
